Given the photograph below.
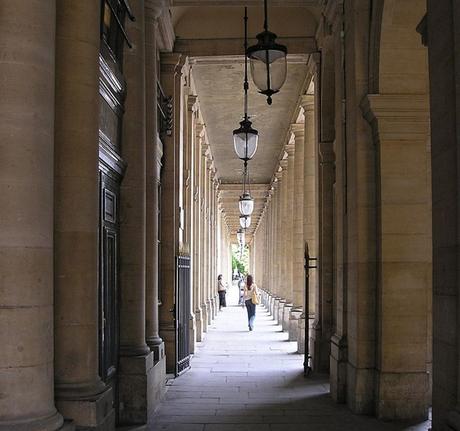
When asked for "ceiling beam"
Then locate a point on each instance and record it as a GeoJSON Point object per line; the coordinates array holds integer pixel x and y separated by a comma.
{"type": "Point", "coordinates": [230, 46]}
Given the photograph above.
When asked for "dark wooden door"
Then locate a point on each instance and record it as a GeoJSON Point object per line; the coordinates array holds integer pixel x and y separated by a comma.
{"type": "Point", "coordinates": [108, 290]}
{"type": "Point", "coordinates": [182, 313]}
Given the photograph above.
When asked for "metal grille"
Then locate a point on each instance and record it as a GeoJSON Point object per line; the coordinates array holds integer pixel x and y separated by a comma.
{"type": "Point", "coordinates": [182, 313]}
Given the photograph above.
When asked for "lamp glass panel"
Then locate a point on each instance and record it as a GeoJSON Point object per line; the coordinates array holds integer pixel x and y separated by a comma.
{"type": "Point", "coordinates": [245, 221]}
{"type": "Point", "coordinates": [246, 206]}
{"type": "Point", "coordinates": [277, 69]}
{"type": "Point", "coordinates": [245, 145]}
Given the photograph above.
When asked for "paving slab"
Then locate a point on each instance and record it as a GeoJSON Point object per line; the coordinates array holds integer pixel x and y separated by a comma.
{"type": "Point", "coordinates": [253, 381]}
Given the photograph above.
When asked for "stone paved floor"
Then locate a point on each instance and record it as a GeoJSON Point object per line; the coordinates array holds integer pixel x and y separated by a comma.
{"type": "Point", "coordinates": [253, 381]}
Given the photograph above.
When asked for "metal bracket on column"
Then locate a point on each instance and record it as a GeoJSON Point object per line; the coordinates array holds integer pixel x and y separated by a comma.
{"type": "Point", "coordinates": [307, 266]}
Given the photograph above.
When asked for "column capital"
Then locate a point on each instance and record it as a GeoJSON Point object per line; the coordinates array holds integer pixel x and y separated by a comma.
{"type": "Point", "coordinates": [307, 102]}
{"type": "Point", "coordinates": [204, 148]}
{"type": "Point", "coordinates": [290, 149]}
{"type": "Point", "coordinates": [397, 116]}
{"type": "Point", "coordinates": [200, 130]}
{"type": "Point", "coordinates": [171, 62]}
{"type": "Point", "coordinates": [192, 101]}
{"type": "Point", "coordinates": [298, 130]}
{"type": "Point", "coordinates": [154, 9]}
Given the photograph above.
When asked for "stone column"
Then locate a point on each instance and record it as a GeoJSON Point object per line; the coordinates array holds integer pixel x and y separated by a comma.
{"type": "Point", "coordinates": [136, 359]}
{"type": "Point", "coordinates": [27, 68]}
{"type": "Point", "coordinates": [171, 79]}
{"type": "Point", "coordinates": [204, 236]}
{"type": "Point", "coordinates": [298, 271]}
{"type": "Point", "coordinates": [323, 329]}
{"type": "Point", "coordinates": [277, 243]}
{"type": "Point", "coordinates": [80, 393]}
{"type": "Point", "coordinates": [282, 240]}
{"type": "Point", "coordinates": [189, 183]}
{"type": "Point", "coordinates": [401, 129]}
{"type": "Point", "coordinates": [443, 28]}
{"type": "Point", "coordinates": [154, 153]}
{"type": "Point", "coordinates": [197, 233]}
{"type": "Point", "coordinates": [211, 242]}
{"type": "Point", "coordinates": [310, 207]}
{"type": "Point", "coordinates": [289, 237]}
{"type": "Point", "coordinates": [271, 246]}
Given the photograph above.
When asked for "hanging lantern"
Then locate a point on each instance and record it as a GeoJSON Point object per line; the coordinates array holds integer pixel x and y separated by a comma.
{"type": "Point", "coordinates": [245, 138]}
{"type": "Point", "coordinates": [268, 62]}
{"type": "Point", "coordinates": [246, 204]}
{"type": "Point", "coordinates": [245, 221]}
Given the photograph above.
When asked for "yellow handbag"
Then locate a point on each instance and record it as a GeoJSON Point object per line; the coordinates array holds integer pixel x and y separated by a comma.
{"type": "Point", "coordinates": [254, 297]}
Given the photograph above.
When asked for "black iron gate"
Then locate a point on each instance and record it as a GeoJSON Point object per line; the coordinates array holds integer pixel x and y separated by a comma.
{"type": "Point", "coordinates": [182, 313]}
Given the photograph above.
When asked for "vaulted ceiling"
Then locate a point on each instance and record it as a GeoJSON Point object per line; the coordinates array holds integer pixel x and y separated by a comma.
{"type": "Point", "coordinates": [211, 32]}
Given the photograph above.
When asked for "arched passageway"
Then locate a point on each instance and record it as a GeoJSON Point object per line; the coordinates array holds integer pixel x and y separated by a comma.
{"type": "Point", "coordinates": [118, 208]}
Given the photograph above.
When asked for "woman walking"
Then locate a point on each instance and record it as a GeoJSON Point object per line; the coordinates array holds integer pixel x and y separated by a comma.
{"type": "Point", "coordinates": [251, 299]}
{"type": "Point", "coordinates": [221, 290]}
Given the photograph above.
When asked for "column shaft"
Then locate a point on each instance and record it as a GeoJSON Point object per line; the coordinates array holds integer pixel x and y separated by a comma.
{"type": "Point", "coordinates": [27, 68]}
{"type": "Point", "coordinates": [154, 152]}
{"type": "Point", "coordinates": [298, 243]}
{"type": "Point", "coordinates": [136, 359]}
{"type": "Point", "coordinates": [77, 216]}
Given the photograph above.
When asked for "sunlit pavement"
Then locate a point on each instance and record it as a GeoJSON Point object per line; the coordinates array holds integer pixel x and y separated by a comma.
{"type": "Point", "coordinates": [253, 381]}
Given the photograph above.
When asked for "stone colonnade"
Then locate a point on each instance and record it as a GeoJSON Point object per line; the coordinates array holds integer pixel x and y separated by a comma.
{"type": "Point", "coordinates": [191, 218]}
{"type": "Point", "coordinates": [361, 201]}
{"type": "Point", "coordinates": [289, 221]}
{"type": "Point", "coordinates": [51, 296]}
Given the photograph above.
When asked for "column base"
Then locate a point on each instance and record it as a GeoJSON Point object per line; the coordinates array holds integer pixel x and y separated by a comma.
{"type": "Point", "coordinates": [192, 334]}
{"type": "Point", "coordinates": [338, 368]}
{"type": "Point", "coordinates": [402, 396]}
{"type": "Point", "coordinates": [286, 315]}
{"type": "Point", "coordinates": [275, 308]}
{"type": "Point", "coordinates": [54, 422]}
{"type": "Point", "coordinates": [279, 317]}
{"type": "Point", "coordinates": [204, 318]}
{"type": "Point", "coordinates": [157, 346]}
{"type": "Point", "coordinates": [141, 387]}
{"type": "Point", "coordinates": [361, 390]}
{"type": "Point", "coordinates": [294, 317]}
{"type": "Point", "coordinates": [89, 412]}
{"type": "Point", "coordinates": [95, 414]}
{"type": "Point", "coordinates": [320, 349]}
{"type": "Point", "coordinates": [271, 300]}
{"type": "Point", "coordinates": [209, 310]}
{"type": "Point", "coordinates": [168, 334]}
{"type": "Point", "coordinates": [215, 306]}
{"type": "Point", "coordinates": [198, 325]}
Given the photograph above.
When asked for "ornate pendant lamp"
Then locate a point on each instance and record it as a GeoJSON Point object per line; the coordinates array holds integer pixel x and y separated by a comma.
{"type": "Point", "coordinates": [245, 138]}
{"type": "Point", "coordinates": [246, 204]}
{"type": "Point", "coordinates": [245, 221]}
{"type": "Point", "coordinates": [268, 61]}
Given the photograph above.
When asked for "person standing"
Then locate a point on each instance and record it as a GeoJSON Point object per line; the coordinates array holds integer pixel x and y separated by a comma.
{"type": "Point", "coordinates": [221, 290]}
{"type": "Point", "coordinates": [251, 299]}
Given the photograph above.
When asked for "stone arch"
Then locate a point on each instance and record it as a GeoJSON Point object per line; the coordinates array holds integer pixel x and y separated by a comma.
{"type": "Point", "coordinates": [398, 111]}
{"type": "Point", "coordinates": [399, 61]}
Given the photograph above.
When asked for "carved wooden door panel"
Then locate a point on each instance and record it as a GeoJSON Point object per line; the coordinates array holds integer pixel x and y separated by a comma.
{"type": "Point", "coordinates": [108, 270]}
